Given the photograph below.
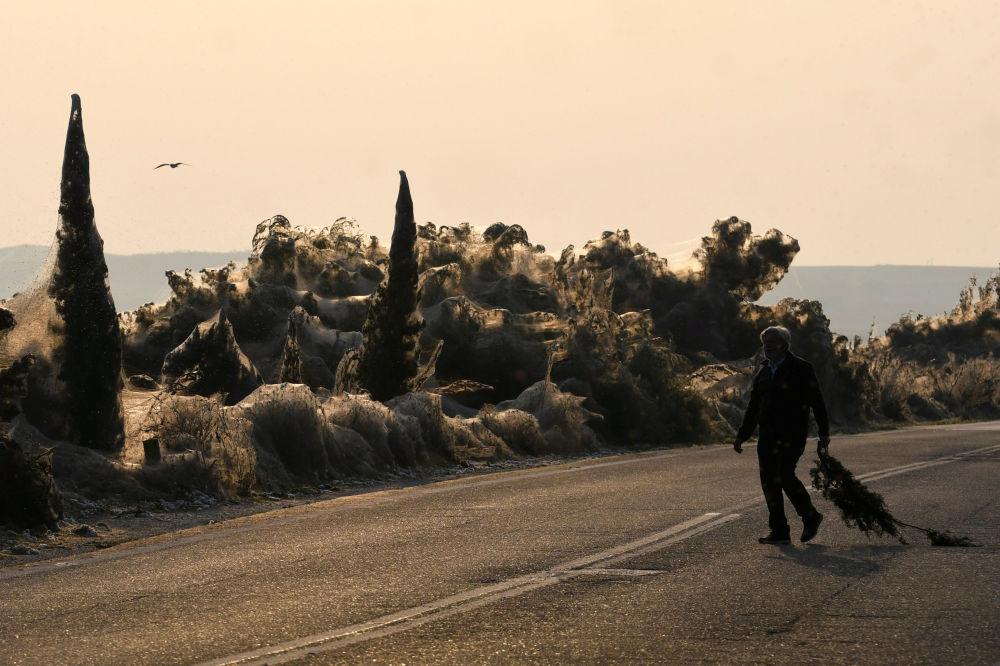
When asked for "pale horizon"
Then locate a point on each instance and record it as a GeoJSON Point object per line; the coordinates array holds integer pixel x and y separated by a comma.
{"type": "Point", "coordinates": [236, 250]}
{"type": "Point", "coordinates": [869, 133]}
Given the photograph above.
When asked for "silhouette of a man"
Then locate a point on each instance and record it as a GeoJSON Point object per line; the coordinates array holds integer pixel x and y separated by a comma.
{"type": "Point", "coordinates": [784, 390]}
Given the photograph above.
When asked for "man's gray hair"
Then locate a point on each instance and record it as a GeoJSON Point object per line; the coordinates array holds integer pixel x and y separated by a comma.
{"type": "Point", "coordinates": [781, 332]}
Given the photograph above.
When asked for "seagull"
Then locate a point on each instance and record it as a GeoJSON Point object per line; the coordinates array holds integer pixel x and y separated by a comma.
{"type": "Point", "coordinates": [172, 165]}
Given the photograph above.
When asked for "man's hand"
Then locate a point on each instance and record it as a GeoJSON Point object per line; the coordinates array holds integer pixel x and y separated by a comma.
{"type": "Point", "coordinates": [738, 446]}
{"type": "Point", "coordinates": [823, 445]}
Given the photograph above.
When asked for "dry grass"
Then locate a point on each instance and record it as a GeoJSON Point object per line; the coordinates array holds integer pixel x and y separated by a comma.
{"type": "Point", "coordinates": [518, 429]}
{"type": "Point", "coordinates": [205, 447]}
{"type": "Point", "coordinates": [561, 419]}
{"type": "Point", "coordinates": [287, 423]}
{"type": "Point", "coordinates": [236, 468]}
{"type": "Point", "coordinates": [955, 388]}
{"type": "Point", "coordinates": [292, 429]}
{"type": "Point", "coordinates": [896, 380]}
{"type": "Point", "coordinates": [970, 388]}
{"type": "Point", "coordinates": [185, 423]}
{"type": "Point", "coordinates": [373, 421]}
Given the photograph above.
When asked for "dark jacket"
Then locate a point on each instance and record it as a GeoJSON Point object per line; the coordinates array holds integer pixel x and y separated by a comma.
{"type": "Point", "coordinates": [780, 406]}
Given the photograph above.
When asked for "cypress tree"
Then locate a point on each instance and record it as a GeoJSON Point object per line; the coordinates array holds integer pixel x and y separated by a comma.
{"type": "Point", "coordinates": [388, 363]}
{"type": "Point", "coordinates": [92, 345]}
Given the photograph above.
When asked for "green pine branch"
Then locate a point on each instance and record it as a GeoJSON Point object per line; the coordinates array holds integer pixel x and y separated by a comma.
{"type": "Point", "coordinates": [865, 509]}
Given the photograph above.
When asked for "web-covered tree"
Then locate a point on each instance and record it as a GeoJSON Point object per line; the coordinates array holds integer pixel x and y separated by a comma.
{"type": "Point", "coordinates": [388, 363]}
{"type": "Point", "coordinates": [92, 345]}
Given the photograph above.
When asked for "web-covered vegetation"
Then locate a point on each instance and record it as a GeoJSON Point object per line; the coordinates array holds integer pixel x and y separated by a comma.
{"type": "Point", "coordinates": [534, 355]}
{"type": "Point", "coordinates": [943, 366]}
{"type": "Point", "coordinates": [269, 374]}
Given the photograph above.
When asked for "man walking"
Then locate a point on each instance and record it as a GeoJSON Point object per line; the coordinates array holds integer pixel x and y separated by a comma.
{"type": "Point", "coordinates": [784, 390]}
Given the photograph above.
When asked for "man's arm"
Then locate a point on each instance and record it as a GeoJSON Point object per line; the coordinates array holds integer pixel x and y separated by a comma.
{"type": "Point", "coordinates": [815, 399]}
{"type": "Point", "coordinates": [749, 417]}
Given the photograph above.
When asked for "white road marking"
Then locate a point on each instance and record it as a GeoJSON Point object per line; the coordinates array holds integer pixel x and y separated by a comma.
{"type": "Point", "coordinates": [988, 426]}
{"type": "Point", "coordinates": [672, 540]}
{"type": "Point", "coordinates": [619, 572]}
{"type": "Point", "coordinates": [905, 469]}
{"type": "Point", "coordinates": [472, 599]}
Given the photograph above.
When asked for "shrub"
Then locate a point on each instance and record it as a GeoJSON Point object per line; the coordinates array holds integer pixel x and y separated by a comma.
{"type": "Point", "coordinates": [518, 429]}
{"type": "Point", "coordinates": [287, 422]}
{"type": "Point", "coordinates": [183, 423]}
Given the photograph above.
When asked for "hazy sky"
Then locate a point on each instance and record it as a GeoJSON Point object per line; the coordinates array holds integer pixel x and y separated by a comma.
{"type": "Point", "coordinates": [869, 131]}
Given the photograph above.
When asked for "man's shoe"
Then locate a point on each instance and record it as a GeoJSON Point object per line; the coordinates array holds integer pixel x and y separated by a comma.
{"type": "Point", "coordinates": [775, 538]}
{"type": "Point", "coordinates": [810, 526]}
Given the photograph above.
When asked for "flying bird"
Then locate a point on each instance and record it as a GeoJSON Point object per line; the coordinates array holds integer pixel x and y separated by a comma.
{"type": "Point", "coordinates": [172, 165]}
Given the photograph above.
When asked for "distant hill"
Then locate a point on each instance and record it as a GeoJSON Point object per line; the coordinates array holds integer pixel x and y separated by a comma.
{"type": "Point", "coordinates": [855, 296]}
{"type": "Point", "coordinates": [135, 278]}
{"type": "Point", "coordinates": [852, 296]}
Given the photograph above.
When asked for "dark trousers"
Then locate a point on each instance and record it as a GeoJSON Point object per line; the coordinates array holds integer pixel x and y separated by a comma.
{"type": "Point", "coordinates": [777, 474]}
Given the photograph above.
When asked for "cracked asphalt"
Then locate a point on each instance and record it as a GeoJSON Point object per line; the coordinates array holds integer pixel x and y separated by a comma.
{"type": "Point", "coordinates": [224, 590]}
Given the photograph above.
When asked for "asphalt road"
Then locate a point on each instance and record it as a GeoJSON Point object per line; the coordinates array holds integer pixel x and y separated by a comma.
{"type": "Point", "coordinates": [643, 557]}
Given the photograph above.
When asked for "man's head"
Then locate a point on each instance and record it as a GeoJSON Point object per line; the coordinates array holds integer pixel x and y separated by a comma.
{"type": "Point", "coordinates": [776, 340]}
